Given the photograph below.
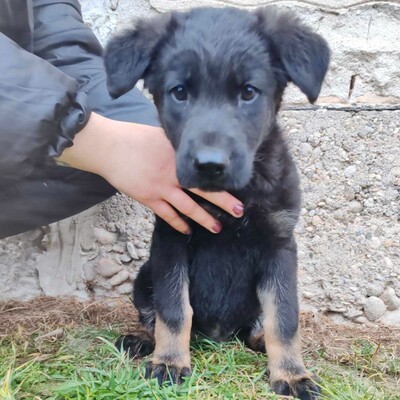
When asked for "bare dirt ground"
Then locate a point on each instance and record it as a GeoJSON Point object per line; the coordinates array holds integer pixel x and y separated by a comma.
{"type": "Point", "coordinates": [46, 314]}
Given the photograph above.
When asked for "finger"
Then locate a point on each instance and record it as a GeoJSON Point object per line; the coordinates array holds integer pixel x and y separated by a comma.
{"type": "Point", "coordinates": [170, 216]}
{"type": "Point", "coordinates": [187, 206]}
{"type": "Point", "coordinates": [222, 200]}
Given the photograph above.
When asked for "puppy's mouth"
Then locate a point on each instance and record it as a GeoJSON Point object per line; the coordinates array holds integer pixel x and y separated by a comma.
{"type": "Point", "coordinates": [211, 184]}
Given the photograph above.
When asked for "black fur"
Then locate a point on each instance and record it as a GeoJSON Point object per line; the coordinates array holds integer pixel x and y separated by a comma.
{"type": "Point", "coordinates": [224, 142]}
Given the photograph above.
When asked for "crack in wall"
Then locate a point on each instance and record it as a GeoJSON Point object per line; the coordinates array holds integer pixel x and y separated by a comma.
{"type": "Point", "coordinates": [351, 86]}
{"type": "Point", "coordinates": [341, 108]}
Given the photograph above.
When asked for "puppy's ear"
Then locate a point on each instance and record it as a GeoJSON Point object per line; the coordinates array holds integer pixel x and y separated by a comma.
{"type": "Point", "coordinates": [303, 53]}
{"type": "Point", "coordinates": [128, 55]}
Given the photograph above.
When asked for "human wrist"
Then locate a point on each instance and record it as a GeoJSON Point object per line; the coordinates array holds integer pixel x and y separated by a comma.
{"type": "Point", "coordinates": [93, 145]}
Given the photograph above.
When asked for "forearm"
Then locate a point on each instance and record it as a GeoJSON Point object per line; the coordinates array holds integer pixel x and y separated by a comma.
{"type": "Point", "coordinates": [93, 145]}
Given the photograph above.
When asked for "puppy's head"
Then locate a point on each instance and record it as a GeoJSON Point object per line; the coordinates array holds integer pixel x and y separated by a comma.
{"type": "Point", "coordinates": [217, 78]}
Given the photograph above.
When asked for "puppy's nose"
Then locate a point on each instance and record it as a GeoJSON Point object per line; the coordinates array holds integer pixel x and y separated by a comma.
{"type": "Point", "coordinates": [211, 163]}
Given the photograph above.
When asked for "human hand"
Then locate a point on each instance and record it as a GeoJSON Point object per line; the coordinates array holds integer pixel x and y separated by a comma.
{"type": "Point", "coordinates": [139, 161]}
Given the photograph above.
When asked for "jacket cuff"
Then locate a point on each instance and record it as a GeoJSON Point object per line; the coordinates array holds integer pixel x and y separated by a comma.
{"type": "Point", "coordinates": [76, 117]}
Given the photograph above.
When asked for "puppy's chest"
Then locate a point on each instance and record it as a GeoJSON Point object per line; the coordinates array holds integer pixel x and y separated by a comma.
{"type": "Point", "coordinates": [260, 223]}
{"type": "Point", "coordinates": [223, 271]}
{"type": "Point", "coordinates": [239, 246]}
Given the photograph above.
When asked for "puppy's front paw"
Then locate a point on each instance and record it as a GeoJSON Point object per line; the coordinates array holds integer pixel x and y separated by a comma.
{"type": "Point", "coordinates": [303, 389]}
{"type": "Point", "coordinates": [169, 374]}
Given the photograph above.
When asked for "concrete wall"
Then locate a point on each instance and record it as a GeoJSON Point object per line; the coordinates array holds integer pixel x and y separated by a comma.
{"type": "Point", "coordinates": [347, 149]}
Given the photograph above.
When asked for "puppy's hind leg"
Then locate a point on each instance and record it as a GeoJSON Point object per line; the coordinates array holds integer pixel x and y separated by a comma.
{"type": "Point", "coordinates": [277, 293]}
{"type": "Point", "coordinates": [141, 343]}
{"type": "Point", "coordinates": [136, 345]}
{"type": "Point", "coordinates": [253, 336]}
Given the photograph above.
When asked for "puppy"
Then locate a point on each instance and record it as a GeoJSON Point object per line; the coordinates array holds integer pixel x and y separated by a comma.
{"type": "Point", "coordinates": [217, 77]}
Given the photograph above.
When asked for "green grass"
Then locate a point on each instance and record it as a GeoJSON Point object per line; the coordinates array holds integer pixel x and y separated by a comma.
{"type": "Point", "coordinates": [86, 365]}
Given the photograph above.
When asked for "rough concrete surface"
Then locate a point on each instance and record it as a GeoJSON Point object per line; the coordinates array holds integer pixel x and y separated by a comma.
{"type": "Point", "coordinates": [364, 37]}
{"type": "Point", "coordinates": [347, 152]}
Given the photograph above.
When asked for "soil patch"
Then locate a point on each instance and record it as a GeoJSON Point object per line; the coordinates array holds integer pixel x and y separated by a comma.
{"type": "Point", "coordinates": [45, 314]}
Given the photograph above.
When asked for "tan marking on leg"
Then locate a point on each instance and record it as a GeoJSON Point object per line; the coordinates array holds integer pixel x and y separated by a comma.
{"type": "Point", "coordinates": [144, 333]}
{"type": "Point", "coordinates": [280, 355]}
{"type": "Point", "coordinates": [174, 348]}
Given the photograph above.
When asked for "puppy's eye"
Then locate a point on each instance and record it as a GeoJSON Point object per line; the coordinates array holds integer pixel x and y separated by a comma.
{"type": "Point", "coordinates": [248, 93]}
{"type": "Point", "coordinates": [179, 93]}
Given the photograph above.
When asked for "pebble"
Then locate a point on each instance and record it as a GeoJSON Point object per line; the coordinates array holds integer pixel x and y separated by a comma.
{"type": "Point", "coordinates": [125, 258]}
{"type": "Point", "coordinates": [353, 313]}
{"type": "Point", "coordinates": [308, 295]}
{"type": "Point", "coordinates": [138, 244]}
{"type": "Point", "coordinates": [111, 227]}
{"type": "Point", "coordinates": [105, 284]}
{"type": "Point", "coordinates": [355, 206]}
{"type": "Point", "coordinates": [125, 288]}
{"type": "Point", "coordinates": [118, 248]}
{"type": "Point", "coordinates": [316, 220]}
{"type": "Point", "coordinates": [369, 203]}
{"type": "Point", "coordinates": [132, 251]}
{"type": "Point", "coordinates": [89, 272]}
{"type": "Point", "coordinates": [305, 149]}
{"type": "Point", "coordinates": [388, 262]}
{"type": "Point", "coordinates": [374, 289]}
{"type": "Point", "coordinates": [374, 308]}
{"type": "Point", "coordinates": [391, 300]}
{"type": "Point", "coordinates": [391, 318]}
{"type": "Point", "coordinates": [143, 253]}
{"type": "Point", "coordinates": [87, 245]}
{"type": "Point", "coordinates": [349, 193]}
{"type": "Point", "coordinates": [375, 243]}
{"type": "Point", "coordinates": [388, 243]}
{"type": "Point", "coordinates": [316, 153]}
{"type": "Point", "coordinates": [103, 236]}
{"type": "Point", "coordinates": [336, 308]}
{"type": "Point", "coordinates": [349, 171]}
{"type": "Point", "coordinates": [360, 320]}
{"type": "Point", "coordinates": [119, 278]}
{"type": "Point", "coordinates": [107, 267]}
{"type": "Point", "coordinates": [395, 171]}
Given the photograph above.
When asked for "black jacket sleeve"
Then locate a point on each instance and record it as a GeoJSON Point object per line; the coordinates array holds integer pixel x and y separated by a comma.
{"type": "Point", "coordinates": [41, 109]}
{"type": "Point", "coordinates": [46, 97]}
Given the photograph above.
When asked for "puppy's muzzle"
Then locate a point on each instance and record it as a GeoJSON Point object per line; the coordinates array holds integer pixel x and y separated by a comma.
{"type": "Point", "coordinates": [210, 163]}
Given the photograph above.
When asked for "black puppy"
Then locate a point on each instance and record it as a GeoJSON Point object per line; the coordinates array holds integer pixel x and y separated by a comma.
{"type": "Point", "coordinates": [217, 77]}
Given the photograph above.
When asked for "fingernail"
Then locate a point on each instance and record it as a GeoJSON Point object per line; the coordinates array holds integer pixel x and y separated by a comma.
{"type": "Point", "coordinates": [188, 232]}
{"type": "Point", "coordinates": [238, 209]}
{"type": "Point", "coordinates": [217, 227]}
